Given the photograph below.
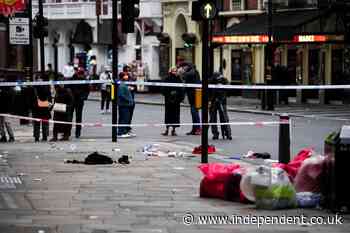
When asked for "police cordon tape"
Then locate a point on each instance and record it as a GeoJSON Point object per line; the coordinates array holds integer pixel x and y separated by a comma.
{"type": "Point", "coordinates": [162, 84]}
{"type": "Point", "coordinates": [100, 124]}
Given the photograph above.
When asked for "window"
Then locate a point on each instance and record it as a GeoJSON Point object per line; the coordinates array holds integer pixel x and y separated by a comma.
{"type": "Point", "coordinates": [236, 5]}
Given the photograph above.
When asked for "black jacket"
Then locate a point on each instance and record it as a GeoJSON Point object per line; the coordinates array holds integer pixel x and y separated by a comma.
{"type": "Point", "coordinates": [42, 93]}
{"type": "Point", "coordinates": [173, 95]}
{"type": "Point", "coordinates": [80, 91]}
{"type": "Point", "coordinates": [191, 76]}
{"type": "Point", "coordinates": [6, 99]}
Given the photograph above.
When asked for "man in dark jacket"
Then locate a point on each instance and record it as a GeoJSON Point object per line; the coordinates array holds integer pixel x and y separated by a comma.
{"type": "Point", "coordinates": [191, 76]}
{"type": "Point", "coordinates": [217, 100]}
{"type": "Point", "coordinates": [80, 94]}
{"type": "Point", "coordinates": [6, 103]}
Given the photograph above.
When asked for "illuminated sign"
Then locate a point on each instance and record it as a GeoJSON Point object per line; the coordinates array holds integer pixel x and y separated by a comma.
{"type": "Point", "coordinates": [263, 39]}
{"type": "Point", "coordinates": [241, 39]}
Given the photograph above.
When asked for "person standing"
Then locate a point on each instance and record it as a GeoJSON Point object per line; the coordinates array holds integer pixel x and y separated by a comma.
{"type": "Point", "coordinates": [125, 102]}
{"type": "Point", "coordinates": [191, 76]}
{"type": "Point", "coordinates": [63, 96]}
{"type": "Point", "coordinates": [173, 96]}
{"type": "Point", "coordinates": [80, 94]}
{"type": "Point", "coordinates": [132, 89]}
{"type": "Point", "coordinates": [217, 100]}
{"type": "Point", "coordinates": [105, 90]}
{"type": "Point", "coordinates": [41, 109]}
{"type": "Point", "coordinates": [6, 103]}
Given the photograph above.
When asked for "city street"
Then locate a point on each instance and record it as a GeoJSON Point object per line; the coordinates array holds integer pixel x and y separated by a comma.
{"type": "Point", "coordinates": [43, 194]}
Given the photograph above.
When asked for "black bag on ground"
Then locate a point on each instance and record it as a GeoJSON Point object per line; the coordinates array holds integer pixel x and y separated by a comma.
{"type": "Point", "coordinates": [96, 158]}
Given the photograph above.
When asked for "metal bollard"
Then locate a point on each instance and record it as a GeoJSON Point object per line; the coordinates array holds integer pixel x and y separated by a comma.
{"type": "Point", "coordinates": [284, 139]}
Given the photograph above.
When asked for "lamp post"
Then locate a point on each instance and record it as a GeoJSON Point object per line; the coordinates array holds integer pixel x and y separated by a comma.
{"type": "Point", "coordinates": [41, 41]}
{"type": "Point", "coordinates": [114, 67]}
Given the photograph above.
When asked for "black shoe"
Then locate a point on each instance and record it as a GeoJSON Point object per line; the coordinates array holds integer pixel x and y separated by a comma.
{"type": "Point", "coordinates": [229, 138]}
{"type": "Point", "coordinates": [12, 139]}
{"type": "Point", "coordinates": [215, 137]}
{"type": "Point", "coordinates": [64, 138]}
{"type": "Point", "coordinates": [190, 133]}
{"type": "Point", "coordinates": [3, 139]}
{"type": "Point", "coordinates": [54, 139]}
{"type": "Point", "coordinates": [44, 140]}
{"type": "Point", "coordinates": [77, 135]}
{"type": "Point", "coordinates": [36, 140]}
{"type": "Point", "coordinates": [173, 133]}
{"type": "Point", "coordinates": [124, 159]}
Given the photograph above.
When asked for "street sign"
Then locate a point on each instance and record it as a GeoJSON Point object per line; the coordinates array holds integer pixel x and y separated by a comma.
{"type": "Point", "coordinates": [19, 31]}
{"type": "Point", "coordinates": [208, 10]}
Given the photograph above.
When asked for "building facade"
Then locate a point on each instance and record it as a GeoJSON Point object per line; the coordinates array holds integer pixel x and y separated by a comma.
{"type": "Point", "coordinates": [77, 35]}
{"type": "Point", "coordinates": [316, 58]}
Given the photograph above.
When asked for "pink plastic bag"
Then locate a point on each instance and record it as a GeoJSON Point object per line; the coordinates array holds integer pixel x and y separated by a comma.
{"type": "Point", "coordinates": [218, 171]}
{"type": "Point", "coordinates": [293, 166]}
{"type": "Point", "coordinates": [308, 178]}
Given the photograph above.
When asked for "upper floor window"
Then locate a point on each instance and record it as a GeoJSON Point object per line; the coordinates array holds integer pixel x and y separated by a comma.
{"type": "Point", "coordinates": [236, 5]}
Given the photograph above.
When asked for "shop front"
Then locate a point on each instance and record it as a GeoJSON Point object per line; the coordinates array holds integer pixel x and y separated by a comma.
{"type": "Point", "coordinates": [310, 54]}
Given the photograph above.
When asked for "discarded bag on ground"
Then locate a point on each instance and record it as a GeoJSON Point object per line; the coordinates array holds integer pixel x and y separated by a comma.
{"type": "Point", "coordinates": [308, 178]}
{"type": "Point", "coordinates": [217, 181]}
{"type": "Point", "coordinates": [308, 199]}
{"type": "Point", "coordinates": [93, 159]}
{"type": "Point", "coordinates": [294, 165]}
{"type": "Point", "coordinates": [276, 191]}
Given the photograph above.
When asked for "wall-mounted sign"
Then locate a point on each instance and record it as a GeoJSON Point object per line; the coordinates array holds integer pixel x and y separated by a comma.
{"type": "Point", "coordinates": [19, 31]}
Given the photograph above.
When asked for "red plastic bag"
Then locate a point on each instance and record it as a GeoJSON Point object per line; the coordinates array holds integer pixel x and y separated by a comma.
{"type": "Point", "coordinates": [218, 171]}
{"type": "Point", "coordinates": [293, 166]}
{"type": "Point", "coordinates": [218, 181]}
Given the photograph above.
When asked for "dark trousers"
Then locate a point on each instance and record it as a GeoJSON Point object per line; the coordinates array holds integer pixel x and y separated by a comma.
{"type": "Point", "coordinates": [78, 109]}
{"type": "Point", "coordinates": [131, 110]}
{"type": "Point", "coordinates": [44, 128]}
{"type": "Point", "coordinates": [195, 118]}
{"type": "Point", "coordinates": [220, 108]}
{"type": "Point", "coordinates": [105, 98]}
{"type": "Point", "coordinates": [123, 119]}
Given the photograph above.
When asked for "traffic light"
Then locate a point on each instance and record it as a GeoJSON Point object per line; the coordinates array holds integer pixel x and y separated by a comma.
{"type": "Point", "coordinates": [205, 10]}
{"type": "Point", "coordinates": [40, 27]}
{"type": "Point", "coordinates": [130, 11]}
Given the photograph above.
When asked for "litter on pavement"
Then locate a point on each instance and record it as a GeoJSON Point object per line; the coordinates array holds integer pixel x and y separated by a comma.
{"type": "Point", "coordinates": [265, 182]}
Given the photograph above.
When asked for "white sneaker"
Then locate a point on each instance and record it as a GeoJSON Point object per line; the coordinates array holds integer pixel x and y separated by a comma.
{"type": "Point", "coordinates": [108, 111]}
{"type": "Point", "coordinates": [102, 112]}
{"type": "Point", "coordinates": [132, 134]}
{"type": "Point", "coordinates": [125, 136]}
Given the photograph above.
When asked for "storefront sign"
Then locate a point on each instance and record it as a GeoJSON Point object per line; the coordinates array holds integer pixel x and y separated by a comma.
{"type": "Point", "coordinates": [257, 39]}
{"type": "Point", "coordinates": [241, 39]}
{"type": "Point", "coordinates": [19, 31]}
